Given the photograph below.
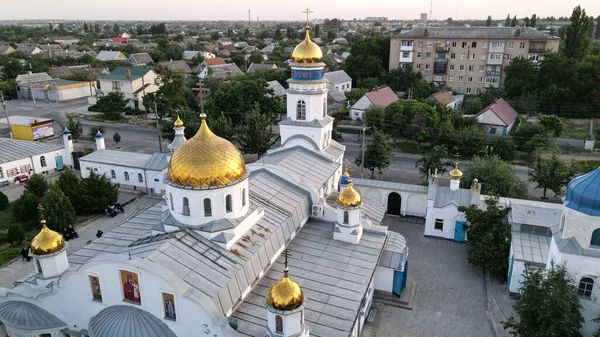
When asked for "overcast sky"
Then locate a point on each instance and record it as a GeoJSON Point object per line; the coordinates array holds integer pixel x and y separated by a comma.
{"type": "Point", "coordinates": [283, 10]}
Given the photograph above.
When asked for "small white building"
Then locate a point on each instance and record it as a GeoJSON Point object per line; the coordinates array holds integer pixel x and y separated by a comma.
{"type": "Point", "coordinates": [380, 96]}
{"type": "Point", "coordinates": [57, 90]}
{"type": "Point", "coordinates": [133, 82]}
{"type": "Point", "coordinates": [498, 118]}
{"type": "Point", "coordinates": [340, 80]}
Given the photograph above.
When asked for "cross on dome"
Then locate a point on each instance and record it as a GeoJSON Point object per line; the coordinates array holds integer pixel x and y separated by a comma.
{"type": "Point", "coordinates": [307, 11]}
{"type": "Point", "coordinates": [286, 254]}
{"type": "Point", "coordinates": [41, 209]}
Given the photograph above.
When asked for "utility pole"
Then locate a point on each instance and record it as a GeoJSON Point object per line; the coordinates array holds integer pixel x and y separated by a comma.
{"type": "Point", "coordinates": [6, 114]}
{"type": "Point", "coordinates": [158, 128]}
{"type": "Point", "coordinates": [362, 161]}
{"type": "Point", "coordinates": [30, 88]}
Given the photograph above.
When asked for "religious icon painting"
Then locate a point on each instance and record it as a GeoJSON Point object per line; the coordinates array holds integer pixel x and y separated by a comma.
{"type": "Point", "coordinates": [131, 287]}
{"type": "Point", "coordinates": [96, 291]}
{"type": "Point", "coordinates": [169, 306]}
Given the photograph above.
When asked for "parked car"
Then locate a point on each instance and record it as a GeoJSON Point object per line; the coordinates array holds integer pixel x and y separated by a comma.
{"type": "Point", "coordinates": [21, 178]}
{"type": "Point", "coordinates": [4, 182]}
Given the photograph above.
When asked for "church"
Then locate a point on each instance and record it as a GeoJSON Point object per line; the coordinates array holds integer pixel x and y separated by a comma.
{"type": "Point", "coordinates": [285, 246]}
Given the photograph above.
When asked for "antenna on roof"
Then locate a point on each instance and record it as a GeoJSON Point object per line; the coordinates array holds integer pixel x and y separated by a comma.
{"type": "Point", "coordinates": [430, 11]}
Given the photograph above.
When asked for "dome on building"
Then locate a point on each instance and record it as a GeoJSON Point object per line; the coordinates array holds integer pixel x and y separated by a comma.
{"type": "Point", "coordinates": [206, 160]}
{"type": "Point", "coordinates": [285, 294]}
{"type": "Point", "coordinates": [456, 174]}
{"type": "Point", "coordinates": [349, 197]}
{"type": "Point", "coordinates": [127, 321]}
{"type": "Point", "coordinates": [178, 122]}
{"type": "Point", "coordinates": [346, 174]}
{"type": "Point", "coordinates": [307, 51]}
{"type": "Point", "coordinates": [583, 193]}
{"type": "Point", "coordinates": [47, 241]}
{"type": "Point", "coordinates": [28, 316]}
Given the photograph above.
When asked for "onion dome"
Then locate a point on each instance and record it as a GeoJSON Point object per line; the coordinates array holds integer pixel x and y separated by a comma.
{"type": "Point", "coordinates": [206, 160]}
{"type": "Point", "coordinates": [66, 131]}
{"type": "Point", "coordinates": [456, 174]}
{"type": "Point", "coordinates": [178, 122]}
{"type": "Point", "coordinates": [127, 321]}
{"type": "Point", "coordinates": [583, 193]}
{"type": "Point", "coordinates": [285, 294]}
{"type": "Point", "coordinates": [349, 197]}
{"type": "Point", "coordinates": [346, 174]}
{"type": "Point", "coordinates": [307, 51]}
{"type": "Point", "coordinates": [47, 241]}
{"type": "Point", "coordinates": [98, 134]}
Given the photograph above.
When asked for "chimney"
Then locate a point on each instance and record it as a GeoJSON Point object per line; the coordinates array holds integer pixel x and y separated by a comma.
{"type": "Point", "coordinates": [475, 192]}
{"type": "Point", "coordinates": [517, 33]}
{"type": "Point", "coordinates": [128, 73]}
{"type": "Point", "coordinates": [426, 32]}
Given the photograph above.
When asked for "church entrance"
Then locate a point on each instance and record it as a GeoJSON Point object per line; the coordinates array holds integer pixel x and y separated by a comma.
{"type": "Point", "coordinates": [459, 231]}
{"type": "Point", "coordinates": [394, 203]}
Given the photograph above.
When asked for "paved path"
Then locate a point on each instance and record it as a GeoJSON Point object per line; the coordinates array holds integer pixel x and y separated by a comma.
{"type": "Point", "coordinates": [87, 231]}
{"type": "Point", "coordinates": [450, 299]}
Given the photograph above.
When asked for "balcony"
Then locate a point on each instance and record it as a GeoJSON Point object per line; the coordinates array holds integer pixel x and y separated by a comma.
{"type": "Point", "coordinates": [440, 60]}
{"type": "Point", "coordinates": [440, 68]}
{"type": "Point", "coordinates": [493, 73]}
{"type": "Point", "coordinates": [406, 48]}
{"type": "Point", "coordinates": [533, 50]}
{"type": "Point", "coordinates": [442, 48]}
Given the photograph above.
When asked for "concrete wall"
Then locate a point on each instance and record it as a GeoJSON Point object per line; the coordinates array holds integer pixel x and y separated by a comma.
{"type": "Point", "coordinates": [412, 202]}
{"type": "Point", "coordinates": [384, 279]}
{"type": "Point", "coordinates": [450, 214]}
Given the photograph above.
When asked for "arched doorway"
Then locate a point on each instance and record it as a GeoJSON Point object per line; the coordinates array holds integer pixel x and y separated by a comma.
{"type": "Point", "coordinates": [394, 203]}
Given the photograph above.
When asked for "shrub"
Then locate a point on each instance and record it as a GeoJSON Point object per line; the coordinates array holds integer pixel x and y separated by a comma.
{"type": "Point", "coordinates": [15, 234]}
{"type": "Point", "coordinates": [37, 185]}
{"type": "Point", "coordinates": [25, 210]}
{"type": "Point", "coordinates": [3, 201]}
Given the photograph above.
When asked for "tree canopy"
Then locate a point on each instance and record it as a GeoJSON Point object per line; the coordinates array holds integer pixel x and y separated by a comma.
{"type": "Point", "coordinates": [550, 174]}
{"type": "Point", "coordinates": [59, 211]}
{"type": "Point", "coordinates": [496, 176]}
{"type": "Point", "coordinates": [434, 160]}
{"type": "Point", "coordinates": [378, 154]}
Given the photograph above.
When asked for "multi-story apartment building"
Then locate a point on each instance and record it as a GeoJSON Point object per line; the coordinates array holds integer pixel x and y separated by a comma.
{"type": "Point", "coordinates": [468, 60]}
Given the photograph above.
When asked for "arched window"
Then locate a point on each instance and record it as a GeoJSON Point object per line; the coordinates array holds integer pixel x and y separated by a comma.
{"type": "Point", "coordinates": [278, 324]}
{"type": "Point", "coordinates": [186, 207]}
{"type": "Point", "coordinates": [595, 238]}
{"type": "Point", "coordinates": [171, 200]}
{"type": "Point", "coordinates": [301, 110]}
{"type": "Point", "coordinates": [244, 197]}
{"type": "Point", "coordinates": [228, 206]}
{"type": "Point", "coordinates": [324, 107]}
{"type": "Point", "coordinates": [345, 216]}
{"type": "Point", "coordinates": [126, 176]}
{"type": "Point", "coordinates": [43, 161]}
{"type": "Point", "coordinates": [113, 174]}
{"type": "Point", "coordinates": [207, 207]}
{"type": "Point", "coordinates": [586, 285]}
{"type": "Point", "coordinates": [140, 178]}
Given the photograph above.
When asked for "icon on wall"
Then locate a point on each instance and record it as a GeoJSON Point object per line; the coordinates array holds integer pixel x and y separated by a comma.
{"type": "Point", "coordinates": [96, 292]}
{"type": "Point", "coordinates": [131, 286]}
{"type": "Point", "coordinates": [169, 306]}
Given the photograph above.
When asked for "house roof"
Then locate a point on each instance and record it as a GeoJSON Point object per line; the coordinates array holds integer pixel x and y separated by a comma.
{"type": "Point", "coordinates": [215, 61]}
{"type": "Point", "coordinates": [503, 33]}
{"type": "Point", "coordinates": [106, 55]}
{"type": "Point", "coordinates": [120, 74]}
{"type": "Point", "coordinates": [54, 47]}
{"type": "Point", "coordinates": [120, 158]}
{"type": "Point", "coordinates": [225, 70]}
{"type": "Point", "coordinates": [277, 88]}
{"type": "Point", "coordinates": [503, 110]}
{"type": "Point", "coordinates": [382, 96]}
{"type": "Point", "coordinates": [141, 58]}
{"type": "Point", "coordinates": [445, 196]}
{"type": "Point", "coordinates": [178, 65]}
{"type": "Point", "coordinates": [189, 54]}
{"type": "Point", "coordinates": [35, 77]}
{"type": "Point", "coordinates": [337, 77]}
{"type": "Point", "coordinates": [4, 48]}
{"type": "Point", "coordinates": [261, 66]}
{"type": "Point", "coordinates": [334, 94]}
{"type": "Point", "coordinates": [119, 39]}
{"type": "Point", "coordinates": [444, 97]}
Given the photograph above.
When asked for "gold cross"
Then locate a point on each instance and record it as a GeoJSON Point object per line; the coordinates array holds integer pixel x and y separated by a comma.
{"type": "Point", "coordinates": [41, 209]}
{"type": "Point", "coordinates": [202, 90]}
{"type": "Point", "coordinates": [307, 11]}
{"type": "Point", "coordinates": [286, 254]}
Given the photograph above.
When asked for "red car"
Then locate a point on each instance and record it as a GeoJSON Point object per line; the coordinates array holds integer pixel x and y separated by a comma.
{"type": "Point", "coordinates": [21, 178]}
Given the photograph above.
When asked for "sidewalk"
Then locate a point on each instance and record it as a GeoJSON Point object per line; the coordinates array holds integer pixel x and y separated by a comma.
{"type": "Point", "coordinates": [500, 305]}
{"type": "Point", "coordinates": [14, 191]}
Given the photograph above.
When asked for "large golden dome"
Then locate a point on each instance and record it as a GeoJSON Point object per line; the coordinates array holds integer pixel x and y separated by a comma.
{"type": "Point", "coordinates": [285, 294]}
{"type": "Point", "coordinates": [206, 160]}
{"type": "Point", "coordinates": [307, 51]}
{"type": "Point", "coordinates": [456, 173]}
{"type": "Point", "coordinates": [47, 241]}
{"type": "Point", "coordinates": [349, 197]}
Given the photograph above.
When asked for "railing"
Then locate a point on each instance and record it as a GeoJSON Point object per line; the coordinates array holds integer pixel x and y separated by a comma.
{"type": "Point", "coordinates": [440, 60]}
{"type": "Point", "coordinates": [492, 73]}
{"type": "Point", "coordinates": [533, 50]}
{"type": "Point", "coordinates": [442, 49]}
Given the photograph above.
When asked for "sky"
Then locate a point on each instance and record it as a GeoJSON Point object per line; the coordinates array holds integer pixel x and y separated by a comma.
{"type": "Point", "coordinates": [283, 10]}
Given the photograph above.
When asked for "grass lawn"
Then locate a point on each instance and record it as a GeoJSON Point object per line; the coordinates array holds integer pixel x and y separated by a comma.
{"type": "Point", "coordinates": [6, 217]}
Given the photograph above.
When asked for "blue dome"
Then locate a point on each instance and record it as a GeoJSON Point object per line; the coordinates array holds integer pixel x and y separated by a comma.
{"type": "Point", "coordinates": [66, 131]}
{"type": "Point", "coordinates": [583, 193]}
{"type": "Point", "coordinates": [98, 134]}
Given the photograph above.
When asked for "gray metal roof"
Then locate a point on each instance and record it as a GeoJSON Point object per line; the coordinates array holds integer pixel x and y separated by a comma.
{"type": "Point", "coordinates": [395, 252]}
{"type": "Point", "coordinates": [337, 77]}
{"type": "Point", "coordinates": [141, 58]}
{"type": "Point", "coordinates": [225, 70]}
{"type": "Point", "coordinates": [35, 77]}
{"type": "Point", "coordinates": [27, 316]}
{"type": "Point", "coordinates": [334, 150]}
{"type": "Point", "coordinates": [115, 157]}
{"type": "Point", "coordinates": [158, 162]}
{"type": "Point", "coordinates": [316, 123]}
{"type": "Point", "coordinates": [107, 55]}
{"type": "Point", "coordinates": [12, 149]}
{"type": "Point", "coordinates": [525, 33]}
{"type": "Point", "coordinates": [445, 196]}
{"type": "Point", "coordinates": [372, 210]}
{"type": "Point", "coordinates": [277, 88]}
{"type": "Point", "coordinates": [334, 94]}
{"type": "Point", "coordinates": [530, 247]}
{"type": "Point", "coordinates": [535, 213]}
{"type": "Point", "coordinates": [390, 185]}
{"type": "Point", "coordinates": [127, 321]}
{"type": "Point", "coordinates": [334, 277]}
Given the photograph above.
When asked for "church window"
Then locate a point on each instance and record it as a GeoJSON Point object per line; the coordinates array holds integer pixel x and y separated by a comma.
{"type": "Point", "coordinates": [140, 178]}
{"type": "Point", "coordinates": [595, 238]}
{"type": "Point", "coordinates": [113, 174]}
{"type": "Point", "coordinates": [171, 200]}
{"type": "Point", "coordinates": [324, 107]}
{"type": "Point", "coordinates": [39, 266]}
{"type": "Point", "coordinates": [186, 207]}
{"type": "Point", "coordinates": [301, 110]}
{"type": "Point", "coordinates": [1, 173]}
{"type": "Point", "coordinates": [244, 197]}
{"type": "Point", "coordinates": [279, 324]}
{"type": "Point", "coordinates": [228, 204]}
{"type": "Point", "coordinates": [439, 224]}
{"type": "Point", "coordinates": [126, 176]}
{"type": "Point", "coordinates": [207, 207]}
{"type": "Point", "coordinates": [43, 161]}
{"type": "Point", "coordinates": [345, 216]}
{"type": "Point", "coordinates": [586, 285]}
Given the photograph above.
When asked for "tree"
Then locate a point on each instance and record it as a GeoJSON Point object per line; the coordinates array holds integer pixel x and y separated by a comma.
{"type": "Point", "coordinates": [576, 41]}
{"type": "Point", "coordinates": [369, 58]}
{"type": "Point", "coordinates": [496, 176]}
{"type": "Point", "coordinates": [3, 201]}
{"type": "Point", "coordinates": [432, 161]}
{"type": "Point", "coordinates": [536, 143]}
{"type": "Point", "coordinates": [255, 134]}
{"type": "Point", "coordinates": [526, 131]}
{"type": "Point", "coordinates": [24, 208]}
{"type": "Point", "coordinates": [503, 146]}
{"type": "Point", "coordinates": [95, 129]}
{"type": "Point", "coordinates": [256, 57]}
{"type": "Point", "coordinates": [37, 185]}
{"type": "Point", "coordinates": [317, 31]}
{"type": "Point", "coordinates": [488, 22]}
{"type": "Point", "coordinates": [223, 127]}
{"type": "Point", "coordinates": [553, 124]}
{"type": "Point", "coordinates": [489, 236]}
{"type": "Point", "coordinates": [173, 94]}
{"type": "Point", "coordinates": [514, 22]}
{"type": "Point", "coordinates": [111, 105]}
{"type": "Point", "coordinates": [96, 192]}
{"type": "Point", "coordinates": [85, 27]}
{"type": "Point", "coordinates": [73, 124]}
{"type": "Point", "coordinates": [533, 21]}
{"type": "Point", "coordinates": [521, 77]}
{"type": "Point", "coordinates": [375, 116]}
{"type": "Point", "coordinates": [526, 21]}
{"type": "Point", "coordinates": [378, 154]}
{"type": "Point", "coordinates": [69, 185]}
{"type": "Point", "coordinates": [507, 21]}
{"type": "Point", "coordinates": [547, 305]}
{"type": "Point", "coordinates": [117, 137]}
{"type": "Point", "coordinates": [550, 174]}
{"type": "Point", "coordinates": [15, 234]}
{"type": "Point", "coordinates": [8, 87]}
{"type": "Point", "coordinates": [59, 211]}
{"type": "Point", "coordinates": [116, 29]}
{"type": "Point", "coordinates": [597, 32]}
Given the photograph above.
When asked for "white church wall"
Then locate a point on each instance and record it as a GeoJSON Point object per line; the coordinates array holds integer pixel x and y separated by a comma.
{"type": "Point", "coordinates": [411, 202]}
{"type": "Point", "coordinates": [384, 279]}
{"type": "Point", "coordinates": [580, 226]}
{"type": "Point", "coordinates": [315, 134]}
{"type": "Point", "coordinates": [449, 214]}
{"type": "Point", "coordinates": [32, 333]}
{"type": "Point", "coordinates": [52, 264]}
{"type": "Point", "coordinates": [132, 179]}
{"type": "Point", "coordinates": [415, 203]}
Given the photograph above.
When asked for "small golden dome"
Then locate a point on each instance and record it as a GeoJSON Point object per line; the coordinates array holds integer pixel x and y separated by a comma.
{"type": "Point", "coordinates": [285, 294]}
{"type": "Point", "coordinates": [206, 160]}
{"type": "Point", "coordinates": [349, 197]}
{"type": "Point", "coordinates": [346, 174]}
{"type": "Point", "coordinates": [456, 173]}
{"type": "Point", "coordinates": [307, 51]}
{"type": "Point", "coordinates": [178, 122]}
{"type": "Point", "coordinates": [47, 241]}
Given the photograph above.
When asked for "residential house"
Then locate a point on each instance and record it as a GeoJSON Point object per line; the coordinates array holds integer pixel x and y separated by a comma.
{"type": "Point", "coordinates": [51, 51]}
{"type": "Point", "coordinates": [202, 68]}
{"type": "Point", "coordinates": [268, 50]}
{"type": "Point", "coordinates": [58, 90]}
{"type": "Point", "coordinates": [225, 41]}
{"type": "Point", "coordinates": [445, 98]}
{"type": "Point", "coordinates": [133, 82]}
{"type": "Point", "coordinates": [224, 71]}
{"type": "Point", "coordinates": [28, 50]}
{"type": "Point", "coordinates": [498, 118]}
{"type": "Point", "coordinates": [380, 96]}
{"type": "Point", "coordinates": [340, 79]}
{"type": "Point", "coordinates": [179, 65]}
{"type": "Point", "coordinates": [240, 45]}
{"type": "Point", "coordinates": [106, 55]}
{"type": "Point", "coordinates": [190, 54]}
{"type": "Point", "coordinates": [340, 40]}
{"type": "Point", "coordinates": [336, 98]}
{"type": "Point", "coordinates": [251, 49]}
{"type": "Point", "coordinates": [6, 49]}
{"type": "Point", "coordinates": [63, 40]}
{"type": "Point", "coordinates": [24, 83]}
{"type": "Point", "coordinates": [140, 59]}
{"type": "Point", "coordinates": [208, 55]}
{"type": "Point", "coordinates": [254, 67]}
{"type": "Point", "coordinates": [277, 88]}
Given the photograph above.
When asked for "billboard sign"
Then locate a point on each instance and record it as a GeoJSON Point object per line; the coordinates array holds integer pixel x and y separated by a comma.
{"type": "Point", "coordinates": [42, 131]}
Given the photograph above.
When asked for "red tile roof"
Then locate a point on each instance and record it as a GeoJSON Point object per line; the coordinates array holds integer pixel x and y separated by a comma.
{"type": "Point", "coordinates": [119, 39]}
{"type": "Point", "coordinates": [382, 96]}
{"type": "Point", "coordinates": [215, 61]}
{"type": "Point", "coordinates": [503, 110]}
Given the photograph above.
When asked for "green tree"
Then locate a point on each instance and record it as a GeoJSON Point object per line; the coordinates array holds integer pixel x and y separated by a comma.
{"type": "Point", "coordinates": [369, 57]}
{"type": "Point", "coordinates": [96, 192]}
{"type": "Point", "coordinates": [11, 69]}
{"type": "Point", "coordinates": [514, 22]}
{"type": "Point", "coordinates": [434, 160]}
{"type": "Point", "coordinates": [378, 154]}
{"type": "Point", "coordinates": [550, 174]}
{"type": "Point", "coordinates": [69, 185]}
{"type": "Point", "coordinates": [577, 41]}
{"type": "Point", "coordinates": [59, 211]}
{"type": "Point", "coordinates": [255, 57]}
{"type": "Point", "coordinates": [470, 140]}
{"type": "Point", "coordinates": [507, 21]}
{"type": "Point", "coordinates": [503, 146]}
{"type": "Point", "coordinates": [173, 94]}
{"type": "Point", "coordinates": [536, 143]}
{"type": "Point", "coordinates": [25, 208]}
{"type": "Point", "coordinates": [489, 236]}
{"type": "Point", "coordinates": [533, 22]}
{"type": "Point", "coordinates": [8, 87]}
{"type": "Point", "coordinates": [553, 124]}
{"type": "Point", "coordinates": [526, 131]}
{"type": "Point", "coordinates": [95, 129]}
{"type": "Point", "coordinates": [472, 105]}
{"type": "Point", "coordinates": [117, 137]}
{"type": "Point", "coordinates": [597, 32]}
{"type": "Point", "coordinates": [402, 79]}
{"type": "Point", "coordinates": [521, 77]}
{"type": "Point", "coordinates": [223, 127]}
{"type": "Point", "coordinates": [496, 176]}
{"type": "Point", "coordinates": [73, 124]}
{"type": "Point", "coordinates": [111, 105]}
{"type": "Point", "coordinates": [15, 234]}
{"type": "Point", "coordinates": [37, 185]}
{"type": "Point", "coordinates": [547, 305]}
{"type": "Point", "coordinates": [488, 22]}
{"type": "Point", "coordinates": [375, 116]}
{"type": "Point", "coordinates": [85, 27]}
{"type": "Point", "coordinates": [3, 201]}
{"type": "Point", "coordinates": [406, 118]}
{"type": "Point", "coordinates": [526, 21]}
{"type": "Point", "coordinates": [255, 134]}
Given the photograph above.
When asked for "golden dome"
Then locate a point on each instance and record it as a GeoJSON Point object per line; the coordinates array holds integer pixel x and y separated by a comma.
{"type": "Point", "coordinates": [178, 122]}
{"type": "Point", "coordinates": [307, 51]}
{"type": "Point", "coordinates": [349, 197]}
{"type": "Point", "coordinates": [47, 241]}
{"type": "Point", "coordinates": [346, 174]}
{"type": "Point", "coordinates": [285, 294]}
{"type": "Point", "coordinates": [206, 160]}
{"type": "Point", "coordinates": [456, 173]}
